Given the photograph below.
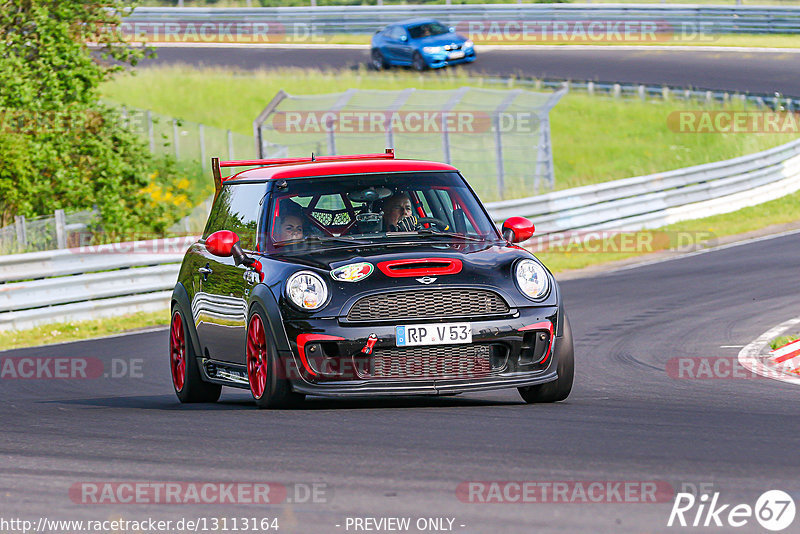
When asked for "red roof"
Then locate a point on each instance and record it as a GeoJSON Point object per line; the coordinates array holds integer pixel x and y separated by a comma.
{"type": "Point", "coordinates": [328, 168]}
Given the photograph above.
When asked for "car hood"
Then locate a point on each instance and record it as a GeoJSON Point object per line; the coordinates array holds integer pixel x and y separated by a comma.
{"type": "Point", "coordinates": [441, 40]}
{"type": "Point", "coordinates": [487, 264]}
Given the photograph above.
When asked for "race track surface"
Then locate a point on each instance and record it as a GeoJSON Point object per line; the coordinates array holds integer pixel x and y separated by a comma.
{"type": "Point", "coordinates": [627, 419]}
{"type": "Point", "coordinates": [754, 72]}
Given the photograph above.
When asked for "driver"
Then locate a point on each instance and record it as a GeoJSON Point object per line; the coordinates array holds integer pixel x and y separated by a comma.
{"type": "Point", "coordinates": [398, 214]}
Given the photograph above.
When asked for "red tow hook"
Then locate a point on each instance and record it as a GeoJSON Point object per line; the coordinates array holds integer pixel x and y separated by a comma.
{"type": "Point", "coordinates": [371, 340]}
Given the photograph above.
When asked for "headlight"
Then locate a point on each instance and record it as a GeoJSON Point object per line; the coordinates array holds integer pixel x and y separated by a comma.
{"type": "Point", "coordinates": [432, 49]}
{"type": "Point", "coordinates": [307, 290]}
{"type": "Point", "coordinates": [532, 279]}
{"type": "Point", "coordinates": [468, 44]}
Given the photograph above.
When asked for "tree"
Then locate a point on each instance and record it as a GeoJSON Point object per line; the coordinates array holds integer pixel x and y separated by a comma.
{"type": "Point", "coordinates": [59, 146]}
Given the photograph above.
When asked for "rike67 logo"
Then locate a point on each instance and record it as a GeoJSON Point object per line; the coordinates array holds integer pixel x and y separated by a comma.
{"type": "Point", "coordinates": [774, 510]}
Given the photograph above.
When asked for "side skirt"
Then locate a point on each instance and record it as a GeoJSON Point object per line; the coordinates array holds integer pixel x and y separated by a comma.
{"type": "Point", "coordinates": [224, 373]}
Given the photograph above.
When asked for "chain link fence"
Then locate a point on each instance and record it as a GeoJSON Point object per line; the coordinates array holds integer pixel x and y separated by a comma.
{"type": "Point", "coordinates": [500, 139]}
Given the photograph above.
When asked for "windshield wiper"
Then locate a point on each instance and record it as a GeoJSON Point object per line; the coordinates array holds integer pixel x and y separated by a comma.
{"type": "Point", "coordinates": [429, 232]}
{"type": "Point", "coordinates": [318, 239]}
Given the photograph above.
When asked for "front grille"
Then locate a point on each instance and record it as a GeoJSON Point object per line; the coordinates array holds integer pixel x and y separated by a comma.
{"type": "Point", "coordinates": [444, 361]}
{"type": "Point", "coordinates": [428, 304]}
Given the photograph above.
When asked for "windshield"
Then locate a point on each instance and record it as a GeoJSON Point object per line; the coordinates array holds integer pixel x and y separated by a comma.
{"type": "Point", "coordinates": [373, 209]}
{"type": "Point", "coordinates": [427, 29]}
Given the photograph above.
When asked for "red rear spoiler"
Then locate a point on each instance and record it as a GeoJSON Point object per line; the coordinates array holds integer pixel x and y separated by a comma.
{"type": "Point", "coordinates": [216, 164]}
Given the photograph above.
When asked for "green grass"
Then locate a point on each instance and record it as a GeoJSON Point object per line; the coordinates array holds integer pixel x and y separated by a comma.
{"type": "Point", "coordinates": [702, 232]}
{"type": "Point", "coordinates": [778, 342]}
{"type": "Point", "coordinates": [595, 139]}
{"type": "Point", "coordinates": [74, 331]}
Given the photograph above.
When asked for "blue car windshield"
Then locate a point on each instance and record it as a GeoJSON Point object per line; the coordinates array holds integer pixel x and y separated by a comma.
{"type": "Point", "coordinates": [427, 29]}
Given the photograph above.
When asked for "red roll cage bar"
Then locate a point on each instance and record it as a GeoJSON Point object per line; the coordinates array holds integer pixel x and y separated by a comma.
{"type": "Point", "coordinates": [216, 164]}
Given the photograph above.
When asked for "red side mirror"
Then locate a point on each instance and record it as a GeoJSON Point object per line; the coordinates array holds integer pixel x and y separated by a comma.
{"type": "Point", "coordinates": [221, 243]}
{"type": "Point", "coordinates": [517, 229]}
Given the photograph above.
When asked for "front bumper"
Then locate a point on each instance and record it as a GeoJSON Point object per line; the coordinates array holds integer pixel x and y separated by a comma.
{"type": "Point", "coordinates": [436, 61]}
{"type": "Point", "coordinates": [334, 358]}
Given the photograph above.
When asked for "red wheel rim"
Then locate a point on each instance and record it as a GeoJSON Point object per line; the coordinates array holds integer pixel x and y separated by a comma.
{"type": "Point", "coordinates": [177, 352]}
{"type": "Point", "coordinates": [257, 369]}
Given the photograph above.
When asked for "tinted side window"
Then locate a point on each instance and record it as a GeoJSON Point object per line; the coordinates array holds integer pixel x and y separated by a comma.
{"type": "Point", "coordinates": [237, 209]}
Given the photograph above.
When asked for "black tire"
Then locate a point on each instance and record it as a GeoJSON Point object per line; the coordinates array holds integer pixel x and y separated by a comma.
{"type": "Point", "coordinates": [276, 392]}
{"type": "Point", "coordinates": [192, 388]}
{"type": "Point", "coordinates": [559, 389]}
{"type": "Point", "coordinates": [419, 62]}
{"type": "Point", "coordinates": [378, 62]}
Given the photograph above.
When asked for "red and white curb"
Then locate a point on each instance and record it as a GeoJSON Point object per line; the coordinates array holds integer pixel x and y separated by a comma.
{"type": "Point", "coordinates": [780, 364]}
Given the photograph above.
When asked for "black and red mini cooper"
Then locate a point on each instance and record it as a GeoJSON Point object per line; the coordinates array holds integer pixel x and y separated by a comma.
{"type": "Point", "coordinates": [362, 275]}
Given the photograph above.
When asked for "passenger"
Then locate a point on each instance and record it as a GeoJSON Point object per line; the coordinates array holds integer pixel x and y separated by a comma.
{"type": "Point", "coordinates": [289, 226]}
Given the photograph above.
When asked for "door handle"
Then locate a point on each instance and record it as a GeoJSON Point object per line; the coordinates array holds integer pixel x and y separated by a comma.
{"type": "Point", "coordinates": [205, 271]}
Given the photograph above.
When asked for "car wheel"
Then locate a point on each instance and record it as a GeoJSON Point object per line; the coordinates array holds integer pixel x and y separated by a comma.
{"type": "Point", "coordinates": [559, 389]}
{"type": "Point", "coordinates": [419, 62]}
{"type": "Point", "coordinates": [269, 389]}
{"type": "Point", "coordinates": [378, 61]}
{"type": "Point", "coordinates": [186, 379]}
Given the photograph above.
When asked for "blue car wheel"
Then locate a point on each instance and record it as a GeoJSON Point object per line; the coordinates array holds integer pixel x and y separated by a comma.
{"type": "Point", "coordinates": [378, 61]}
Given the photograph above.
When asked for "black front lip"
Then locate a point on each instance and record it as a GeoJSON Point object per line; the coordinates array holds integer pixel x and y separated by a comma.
{"type": "Point", "coordinates": [485, 331]}
{"type": "Point", "coordinates": [422, 387]}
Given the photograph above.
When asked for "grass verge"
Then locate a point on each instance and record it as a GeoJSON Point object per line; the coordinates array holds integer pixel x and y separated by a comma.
{"type": "Point", "coordinates": [595, 139]}
{"type": "Point", "coordinates": [75, 331]}
{"type": "Point", "coordinates": [778, 342]}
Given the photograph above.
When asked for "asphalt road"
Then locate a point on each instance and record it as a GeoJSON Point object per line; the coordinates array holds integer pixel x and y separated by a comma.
{"type": "Point", "coordinates": [754, 72]}
{"type": "Point", "coordinates": [627, 420]}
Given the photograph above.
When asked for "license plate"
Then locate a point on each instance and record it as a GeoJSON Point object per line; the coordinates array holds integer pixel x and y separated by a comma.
{"type": "Point", "coordinates": [458, 54]}
{"type": "Point", "coordinates": [433, 334]}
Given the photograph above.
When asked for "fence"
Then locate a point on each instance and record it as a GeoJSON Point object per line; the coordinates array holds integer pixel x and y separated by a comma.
{"type": "Point", "coordinates": [45, 232]}
{"type": "Point", "coordinates": [460, 126]}
{"type": "Point", "coordinates": [285, 21]}
{"type": "Point", "coordinates": [123, 278]}
{"type": "Point", "coordinates": [186, 140]}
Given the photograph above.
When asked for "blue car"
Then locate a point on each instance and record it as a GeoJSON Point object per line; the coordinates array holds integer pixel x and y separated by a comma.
{"type": "Point", "coordinates": [420, 43]}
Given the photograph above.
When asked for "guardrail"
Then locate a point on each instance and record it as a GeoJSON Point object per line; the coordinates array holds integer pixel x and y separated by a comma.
{"type": "Point", "coordinates": [77, 284]}
{"type": "Point", "coordinates": [367, 19]}
{"type": "Point", "coordinates": [88, 282]}
{"type": "Point", "coordinates": [664, 198]}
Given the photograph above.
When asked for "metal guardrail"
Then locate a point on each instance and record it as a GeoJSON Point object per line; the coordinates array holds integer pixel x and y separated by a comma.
{"type": "Point", "coordinates": [76, 284]}
{"type": "Point", "coordinates": [658, 199]}
{"type": "Point", "coordinates": [367, 19]}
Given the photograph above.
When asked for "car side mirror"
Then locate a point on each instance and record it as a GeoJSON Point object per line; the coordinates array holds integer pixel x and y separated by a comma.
{"type": "Point", "coordinates": [517, 229]}
{"type": "Point", "coordinates": [225, 244]}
